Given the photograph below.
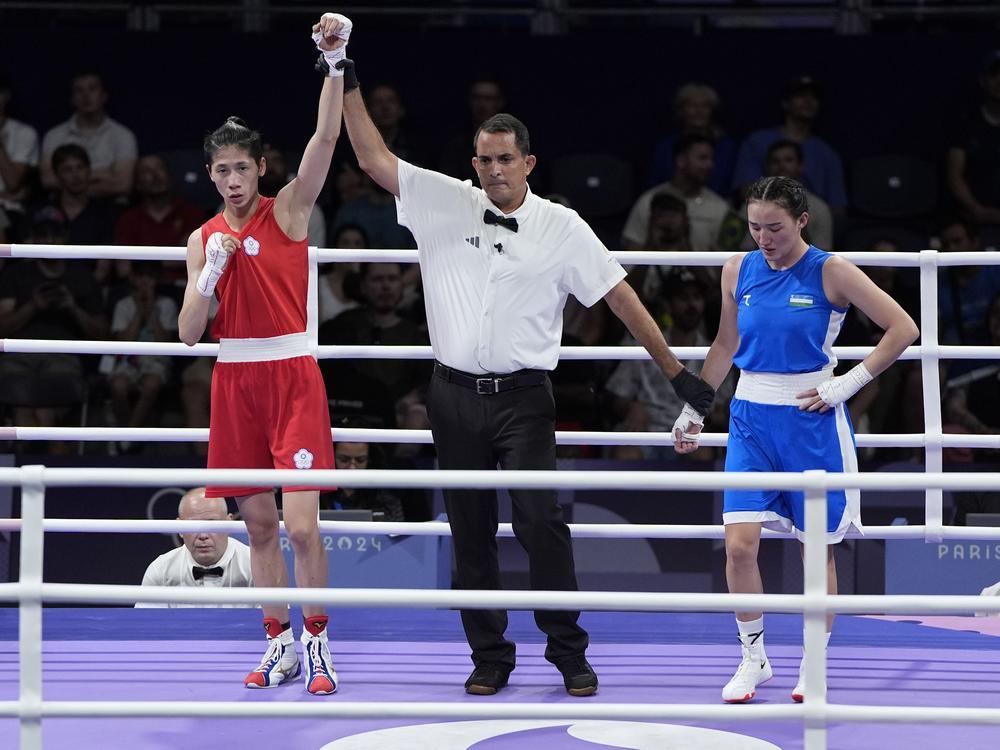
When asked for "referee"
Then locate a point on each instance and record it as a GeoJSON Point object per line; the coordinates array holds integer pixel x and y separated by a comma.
{"type": "Point", "coordinates": [497, 264]}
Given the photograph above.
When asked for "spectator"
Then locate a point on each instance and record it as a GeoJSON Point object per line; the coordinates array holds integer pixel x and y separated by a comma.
{"type": "Point", "coordinates": [823, 173]}
{"type": "Point", "coordinates": [335, 296]}
{"type": "Point", "coordinates": [365, 204]}
{"type": "Point", "coordinates": [695, 108]}
{"type": "Point", "coordinates": [160, 218]}
{"type": "Point", "coordinates": [972, 399]}
{"type": "Point", "coordinates": [485, 98]}
{"type": "Point", "coordinates": [693, 161]}
{"type": "Point", "coordinates": [785, 158]}
{"type": "Point", "coordinates": [109, 144]}
{"type": "Point", "coordinates": [136, 381]}
{"type": "Point", "coordinates": [90, 221]}
{"type": "Point", "coordinates": [385, 505]}
{"type": "Point", "coordinates": [973, 164]}
{"type": "Point", "coordinates": [669, 227]}
{"type": "Point", "coordinates": [207, 560]}
{"type": "Point", "coordinates": [275, 177]}
{"type": "Point", "coordinates": [46, 299]}
{"type": "Point", "coordinates": [387, 112]}
{"type": "Point", "coordinates": [375, 388]}
{"type": "Point", "coordinates": [18, 157]}
{"type": "Point", "coordinates": [964, 292]}
{"type": "Point", "coordinates": [642, 399]}
{"type": "Point", "coordinates": [669, 230]}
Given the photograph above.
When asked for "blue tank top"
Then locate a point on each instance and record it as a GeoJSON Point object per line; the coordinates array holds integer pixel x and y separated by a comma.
{"type": "Point", "coordinates": [786, 323]}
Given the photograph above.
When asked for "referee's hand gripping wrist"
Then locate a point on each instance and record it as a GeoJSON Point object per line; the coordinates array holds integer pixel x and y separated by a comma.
{"type": "Point", "coordinates": [695, 391]}
{"type": "Point", "coordinates": [350, 75]}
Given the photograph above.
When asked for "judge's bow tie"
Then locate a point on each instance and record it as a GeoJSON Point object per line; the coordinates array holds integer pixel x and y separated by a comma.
{"type": "Point", "coordinates": [199, 572]}
{"type": "Point", "coordinates": [491, 218]}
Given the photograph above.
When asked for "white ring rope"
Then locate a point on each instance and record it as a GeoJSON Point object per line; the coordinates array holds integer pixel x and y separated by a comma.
{"type": "Point", "coordinates": [590, 601]}
{"type": "Point", "coordinates": [478, 479]}
{"type": "Point", "coordinates": [372, 351]}
{"type": "Point", "coordinates": [423, 437]}
{"type": "Point", "coordinates": [441, 528]}
{"type": "Point", "coordinates": [342, 255]}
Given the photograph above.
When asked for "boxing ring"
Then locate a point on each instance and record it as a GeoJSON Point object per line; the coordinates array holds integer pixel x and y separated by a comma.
{"type": "Point", "coordinates": [662, 657]}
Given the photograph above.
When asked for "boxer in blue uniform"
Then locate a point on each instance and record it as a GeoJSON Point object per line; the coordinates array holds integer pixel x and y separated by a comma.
{"type": "Point", "coordinates": [782, 308]}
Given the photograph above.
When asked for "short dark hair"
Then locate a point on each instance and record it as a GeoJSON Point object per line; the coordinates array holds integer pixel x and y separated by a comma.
{"type": "Point", "coordinates": [664, 201]}
{"type": "Point", "coordinates": [69, 151]}
{"type": "Point", "coordinates": [504, 123]}
{"type": "Point", "coordinates": [364, 269]}
{"type": "Point", "coordinates": [786, 192]}
{"type": "Point", "coordinates": [86, 73]}
{"type": "Point", "coordinates": [970, 227]}
{"type": "Point", "coordinates": [351, 227]}
{"type": "Point", "coordinates": [786, 143]}
{"type": "Point", "coordinates": [688, 141]}
{"type": "Point", "coordinates": [679, 277]}
{"type": "Point", "coordinates": [233, 132]}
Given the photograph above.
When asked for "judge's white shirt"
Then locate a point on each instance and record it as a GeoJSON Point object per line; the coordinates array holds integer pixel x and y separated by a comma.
{"type": "Point", "coordinates": [175, 568]}
{"type": "Point", "coordinates": [495, 297]}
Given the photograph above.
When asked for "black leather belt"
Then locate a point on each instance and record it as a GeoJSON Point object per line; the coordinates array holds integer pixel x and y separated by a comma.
{"type": "Point", "coordinates": [486, 385]}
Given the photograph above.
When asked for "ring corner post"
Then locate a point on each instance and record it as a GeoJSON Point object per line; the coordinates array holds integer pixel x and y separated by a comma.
{"type": "Point", "coordinates": [814, 611]}
{"type": "Point", "coordinates": [30, 607]}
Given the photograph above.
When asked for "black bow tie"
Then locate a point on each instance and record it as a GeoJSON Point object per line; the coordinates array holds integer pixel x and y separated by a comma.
{"type": "Point", "coordinates": [199, 572]}
{"type": "Point", "coordinates": [491, 218]}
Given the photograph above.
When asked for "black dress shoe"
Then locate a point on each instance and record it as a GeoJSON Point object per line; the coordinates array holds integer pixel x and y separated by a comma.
{"type": "Point", "coordinates": [487, 679]}
{"type": "Point", "coordinates": [578, 675]}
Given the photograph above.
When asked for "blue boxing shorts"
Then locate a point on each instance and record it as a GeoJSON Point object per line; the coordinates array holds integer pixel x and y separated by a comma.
{"type": "Point", "coordinates": [779, 437]}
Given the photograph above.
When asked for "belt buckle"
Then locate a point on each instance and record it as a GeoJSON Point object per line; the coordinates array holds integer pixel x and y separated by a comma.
{"type": "Point", "coordinates": [487, 386]}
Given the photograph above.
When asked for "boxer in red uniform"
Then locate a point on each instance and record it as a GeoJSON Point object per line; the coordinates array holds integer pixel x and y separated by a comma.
{"type": "Point", "coordinates": [269, 406]}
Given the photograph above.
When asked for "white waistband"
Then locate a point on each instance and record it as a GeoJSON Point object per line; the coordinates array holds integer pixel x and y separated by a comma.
{"type": "Point", "coordinates": [264, 350]}
{"type": "Point", "coordinates": [778, 388]}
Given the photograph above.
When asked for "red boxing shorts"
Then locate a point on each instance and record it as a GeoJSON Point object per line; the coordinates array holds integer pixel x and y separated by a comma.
{"type": "Point", "coordinates": [269, 415]}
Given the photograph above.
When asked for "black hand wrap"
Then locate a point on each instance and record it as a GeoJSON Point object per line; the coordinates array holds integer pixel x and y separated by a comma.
{"type": "Point", "coordinates": [350, 77]}
{"type": "Point", "coordinates": [694, 390]}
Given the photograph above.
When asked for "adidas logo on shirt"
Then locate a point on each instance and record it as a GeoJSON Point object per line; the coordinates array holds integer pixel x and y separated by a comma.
{"type": "Point", "coordinates": [474, 241]}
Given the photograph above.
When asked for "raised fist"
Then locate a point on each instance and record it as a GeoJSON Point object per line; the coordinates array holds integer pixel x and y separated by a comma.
{"type": "Point", "coordinates": [332, 32]}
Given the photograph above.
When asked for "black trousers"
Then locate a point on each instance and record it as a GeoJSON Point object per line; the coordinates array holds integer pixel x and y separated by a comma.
{"type": "Point", "coordinates": [515, 429]}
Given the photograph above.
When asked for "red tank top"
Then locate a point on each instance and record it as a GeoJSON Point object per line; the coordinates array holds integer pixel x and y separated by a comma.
{"type": "Point", "coordinates": [263, 290]}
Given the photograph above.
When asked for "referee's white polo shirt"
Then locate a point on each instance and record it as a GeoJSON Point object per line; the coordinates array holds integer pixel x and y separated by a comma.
{"type": "Point", "coordinates": [495, 297]}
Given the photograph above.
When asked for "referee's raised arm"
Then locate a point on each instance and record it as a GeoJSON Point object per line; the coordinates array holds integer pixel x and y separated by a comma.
{"type": "Point", "coordinates": [373, 155]}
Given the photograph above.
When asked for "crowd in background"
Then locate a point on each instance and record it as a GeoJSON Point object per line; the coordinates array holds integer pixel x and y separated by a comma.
{"type": "Point", "coordinates": [87, 181]}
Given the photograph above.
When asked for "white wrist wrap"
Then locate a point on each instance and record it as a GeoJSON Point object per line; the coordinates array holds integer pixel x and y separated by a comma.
{"type": "Point", "coordinates": [688, 416]}
{"type": "Point", "coordinates": [215, 263]}
{"type": "Point", "coordinates": [335, 56]}
{"type": "Point", "coordinates": [837, 390]}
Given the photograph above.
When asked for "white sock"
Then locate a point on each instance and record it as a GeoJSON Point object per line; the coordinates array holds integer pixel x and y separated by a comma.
{"type": "Point", "coordinates": [752, 634]}
{"type": "Point", "coordinates": [826, 644]}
